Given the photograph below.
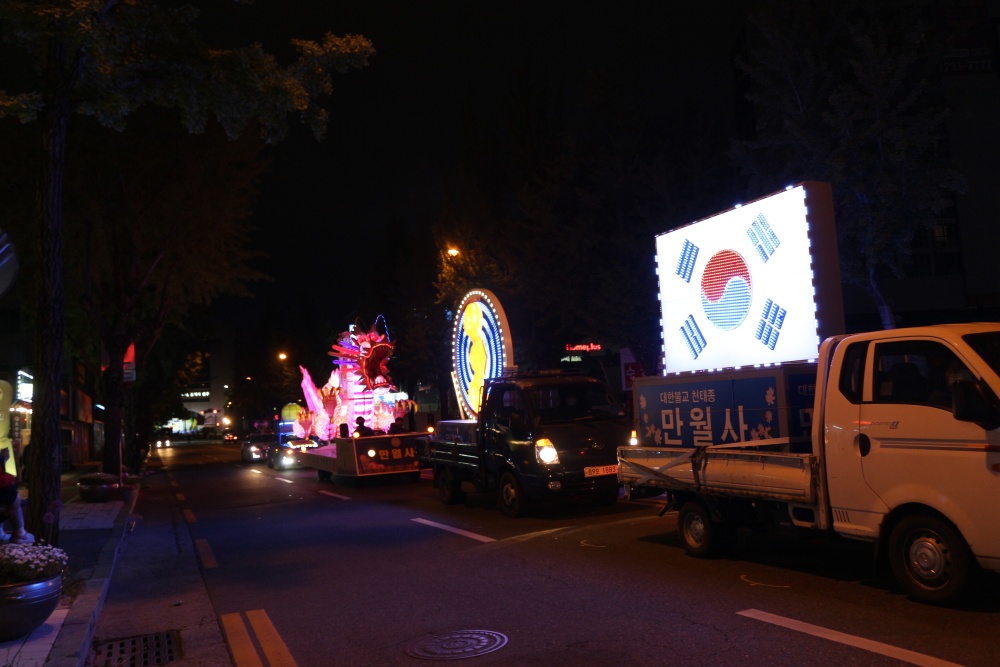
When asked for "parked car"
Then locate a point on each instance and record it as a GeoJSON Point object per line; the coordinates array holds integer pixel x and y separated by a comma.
{"type": "Point", "coordinates": [284, 455]}
{"type": "Point", "coordinates": [256, 447]}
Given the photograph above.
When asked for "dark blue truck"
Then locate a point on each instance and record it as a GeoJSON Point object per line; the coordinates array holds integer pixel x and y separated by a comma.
{"type": "Point", "coordinates": [539, 437]}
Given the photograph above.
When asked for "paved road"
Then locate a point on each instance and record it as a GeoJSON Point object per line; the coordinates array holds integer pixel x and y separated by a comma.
{"type": "Point", "coordinates": [252, 566]}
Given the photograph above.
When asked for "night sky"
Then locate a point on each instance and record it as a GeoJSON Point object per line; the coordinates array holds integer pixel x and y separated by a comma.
{"type": "Point", "coordinates": [392, 150]}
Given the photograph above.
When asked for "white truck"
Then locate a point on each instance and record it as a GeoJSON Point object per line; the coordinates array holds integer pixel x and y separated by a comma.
{"type": "Point", "coordinates": [891, 437]}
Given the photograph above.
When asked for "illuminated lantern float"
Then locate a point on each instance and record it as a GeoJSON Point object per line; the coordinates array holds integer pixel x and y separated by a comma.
{"type": "Point", "coordinates": [359, 386]}
{"type": "Point", "coordinates": [481, 348]}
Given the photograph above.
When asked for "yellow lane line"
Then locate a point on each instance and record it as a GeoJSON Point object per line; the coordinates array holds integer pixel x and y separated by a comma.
{"type": "Point", "coordinates": [205, 554]}
{"type": "Point", "coordinates": [179, 496]}
{"type": "Point", "coordinates": [240, 644]}
{"type": "Point", "coordinates": [275, 650]}
{"type": "Point", "coordinates": [189, 516]}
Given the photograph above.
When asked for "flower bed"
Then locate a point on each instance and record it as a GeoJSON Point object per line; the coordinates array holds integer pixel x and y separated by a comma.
{"type": "Point", "coordinates": [22, 563]}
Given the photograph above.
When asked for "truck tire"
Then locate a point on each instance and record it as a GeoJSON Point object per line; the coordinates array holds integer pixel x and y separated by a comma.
{"type": "Point", "coordinates": [929, 559]}
{"type": "Point", "coordinates": [449, 490]}
{"type": "Point", "coordinates": [509, 496]}
{"type": "Point", "coordinates": [699, 534]}
{"type": "Point", "coordinates": [324, 475]}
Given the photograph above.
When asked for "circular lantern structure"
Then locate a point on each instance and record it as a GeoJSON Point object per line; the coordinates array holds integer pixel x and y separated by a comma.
{"type": "Point", "coordinates": [481, 347]}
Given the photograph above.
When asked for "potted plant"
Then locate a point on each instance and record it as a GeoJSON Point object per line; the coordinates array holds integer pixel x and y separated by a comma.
{"type": "Point", "coordinates": [30, 586]}
{"type": "Point", "coordinates": [98, 487]}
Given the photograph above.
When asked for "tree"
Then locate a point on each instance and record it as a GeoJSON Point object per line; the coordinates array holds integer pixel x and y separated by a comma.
{"type": "Point", "coordinates": [157, 219]}
{"type": "Point", "coordinates": [849, 93]}
{"type": "Point", "coordinates": [106, 59]}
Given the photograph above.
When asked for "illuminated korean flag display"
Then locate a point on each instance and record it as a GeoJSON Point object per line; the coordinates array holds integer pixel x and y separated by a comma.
{"type": "Point", "coordinates": [758, 284]}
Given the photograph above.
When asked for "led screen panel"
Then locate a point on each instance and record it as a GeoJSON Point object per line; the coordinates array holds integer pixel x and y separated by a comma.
{"type": "Point", "coordinates": [757, 284]}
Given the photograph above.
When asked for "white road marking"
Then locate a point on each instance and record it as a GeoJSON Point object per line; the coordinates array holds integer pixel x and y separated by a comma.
{"type": "Point", "coordinates": [457, 531]}
{"type": "Point", "coordinates": [335, 495]}
{"type": "Point", "coordinates": [850, 640]}
{"type": "Point", "coordinates": [286, 481]}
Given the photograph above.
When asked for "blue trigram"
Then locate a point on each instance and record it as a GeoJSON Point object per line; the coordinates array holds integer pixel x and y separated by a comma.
{"type": "Point", "coordinates": [763, 238]}
{"type": "Point", "coordinates": [693, 338]}
{"type": "Point", "coordinates": [685, 265]}
{"type": "Point", "coordinates": [770, 324]}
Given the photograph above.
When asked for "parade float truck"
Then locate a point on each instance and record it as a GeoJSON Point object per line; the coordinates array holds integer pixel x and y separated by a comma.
{"type": "Point", "coordinates": [359, 386]}
{"type": "Point", "coordinates": [889, 438]}
{"type": "Point", "coordinates": [528, 437]}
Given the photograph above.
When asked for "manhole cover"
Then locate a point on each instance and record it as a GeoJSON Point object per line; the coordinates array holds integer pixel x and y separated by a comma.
{"type": "Point", "coordinates": [456, 644]}
{"type": "Point", "coordinates": [159, 648]}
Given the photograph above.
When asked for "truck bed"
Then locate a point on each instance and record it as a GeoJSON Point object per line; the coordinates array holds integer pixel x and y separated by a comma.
{"type": "Point", "coordinates": [456, 455]}
{"type": "Point", "coordinates": [774, 475]}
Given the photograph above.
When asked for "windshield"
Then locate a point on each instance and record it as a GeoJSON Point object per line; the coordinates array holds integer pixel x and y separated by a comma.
{"type": "Point", "coordinates": [573, 402]}
{"type": "Point", "coordinates": [987, 346]}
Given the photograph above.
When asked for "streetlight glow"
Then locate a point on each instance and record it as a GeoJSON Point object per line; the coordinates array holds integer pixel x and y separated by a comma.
{"type": "Point", "coordinates": [453, 252]}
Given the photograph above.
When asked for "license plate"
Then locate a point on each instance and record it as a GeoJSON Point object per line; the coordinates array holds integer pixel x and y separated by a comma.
{"type": "Point", "coordinates": [597, 471]}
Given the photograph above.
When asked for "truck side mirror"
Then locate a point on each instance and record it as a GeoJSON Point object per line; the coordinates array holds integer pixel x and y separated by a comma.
{"type": "Point", "coordinates": [969, 404]}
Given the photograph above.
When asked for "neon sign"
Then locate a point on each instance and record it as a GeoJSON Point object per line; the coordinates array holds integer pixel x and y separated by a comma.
{"type": "Point", "coordinates": [583, 347]}
{"type": "Point", "coordinates": [481, 347]}
{"type": "Point", "coordinates": [757, 284]}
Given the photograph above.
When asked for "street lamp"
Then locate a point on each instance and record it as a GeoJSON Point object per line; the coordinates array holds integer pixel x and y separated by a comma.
{"type": "Point", "coordinates": [452, 252]}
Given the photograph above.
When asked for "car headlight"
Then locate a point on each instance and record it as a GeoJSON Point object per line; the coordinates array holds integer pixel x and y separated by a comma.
{"type": "Point", "coordinates": [545, 451]}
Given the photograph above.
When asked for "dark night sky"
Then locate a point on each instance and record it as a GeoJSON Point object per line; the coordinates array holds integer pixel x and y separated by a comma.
{"type": "Point", "coordinates": [393, 144]}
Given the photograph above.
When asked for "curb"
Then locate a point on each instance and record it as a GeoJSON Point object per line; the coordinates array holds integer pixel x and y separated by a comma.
{"type": "Point", "coordinates": [73, 643]}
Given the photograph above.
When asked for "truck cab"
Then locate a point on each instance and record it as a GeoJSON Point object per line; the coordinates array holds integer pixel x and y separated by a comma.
{"type": "Point", "coordinates": [538, 437]}
{"type": "Point", "coordinates": [548, 437]}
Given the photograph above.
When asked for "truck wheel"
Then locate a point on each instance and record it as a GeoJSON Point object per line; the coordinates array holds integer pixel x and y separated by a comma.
{"type": "Point", "coordinates": [509, 496]}
{"type": "Point", "coordinates": [701, 536]}
{"type": "Point", "coordinates": [449, 490]}
{"type": "Point", "coordinates": [929, 559]}
{"type": "Point", "coordinates": [324, 475]}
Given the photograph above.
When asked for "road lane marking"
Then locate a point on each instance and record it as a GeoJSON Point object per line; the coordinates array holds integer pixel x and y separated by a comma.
{"type": "Point", "coordinates": [256, 471]}
{"type": "Point", "coordinates": [205, 554]}
{"type": "Point", "coordinates": [850, 640]}
{"type": "Point", "coordinates": [189, 516]}
{"type": "Point", "coordinates": [745, 579]}
{"type": "Point", "coordinates": [240, 644]}
{"type": "Point", "coordinates": [457, 531]}
{"type": "Point", "coordinates": [179, 496]}
{"type": "Point", "coordinates": [274, 647]}
{"type": "Point", "coordinates": [286, 481]}
{"type": "Point", "coordinates": [334, 495]}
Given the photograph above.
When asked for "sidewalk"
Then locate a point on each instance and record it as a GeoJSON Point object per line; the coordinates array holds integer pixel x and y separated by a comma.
{"type": "Point", "coordinates": [92, 535]}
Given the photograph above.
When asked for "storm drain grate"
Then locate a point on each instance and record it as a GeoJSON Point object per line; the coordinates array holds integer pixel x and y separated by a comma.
{"type": "Point", "coordinates": [159, 648]}
{"type": "Point", "coordinates": [456, 644]}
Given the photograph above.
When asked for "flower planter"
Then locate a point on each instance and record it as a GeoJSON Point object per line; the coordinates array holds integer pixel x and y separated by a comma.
{"type": "Point", "coordinates": [98, 488]}
{"type": "Point", "coordinates": [24, 607]}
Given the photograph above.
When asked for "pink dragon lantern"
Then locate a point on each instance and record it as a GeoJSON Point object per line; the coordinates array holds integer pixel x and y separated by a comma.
{"type": "Point", "coordinates": [359, 386]}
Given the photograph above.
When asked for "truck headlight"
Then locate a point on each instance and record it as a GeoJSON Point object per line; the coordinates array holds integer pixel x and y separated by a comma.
{"type": "Point", "coordinates": [545, 451]}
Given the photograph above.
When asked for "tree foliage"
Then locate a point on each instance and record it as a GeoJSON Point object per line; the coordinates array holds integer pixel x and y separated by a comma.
{"type": "Point", "coordinates": [107, 59]}
{"type": "Point", "coordinates": [558, 212]}
{"type": "Point", "coordinates": [849, 93]}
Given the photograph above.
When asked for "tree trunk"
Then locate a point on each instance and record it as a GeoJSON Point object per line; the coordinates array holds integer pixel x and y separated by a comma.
{"type": "Point", "coordinates": [114, 392]}
{"type": "Point", "coordinates": [45, 468]}
{"type": "Point", "coordinates": [884, 311]}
